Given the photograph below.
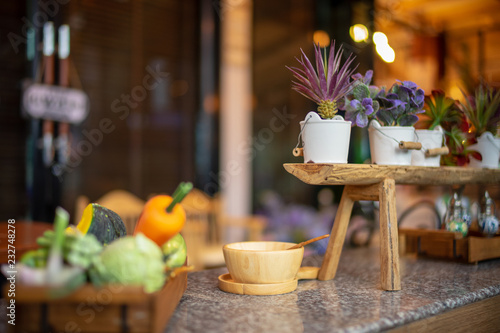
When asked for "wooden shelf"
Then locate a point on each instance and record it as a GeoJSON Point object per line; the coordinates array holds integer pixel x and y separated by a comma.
{"type": "Point", "coordinates": [449, 245]}
{"type": "Point", "coordinates": [378, 183]}
{"type": "Point", "coordinates": [366, 174]}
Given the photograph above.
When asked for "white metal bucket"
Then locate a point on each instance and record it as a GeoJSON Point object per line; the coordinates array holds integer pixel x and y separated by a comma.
{"type": "Point", "coordinates": [384, 143]}
{"type": "Point", "coordinates": [489, 148]}
{"type": "Point", "coordinates": [325, 140]}
{"type": "Point", "coordinates": [429, 139]}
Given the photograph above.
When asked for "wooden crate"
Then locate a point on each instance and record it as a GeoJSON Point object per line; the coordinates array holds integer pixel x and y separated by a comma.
{"type": "Point", "coordinates": [449, 245]}
{"type": "Point", "coordinates": [89, 309]}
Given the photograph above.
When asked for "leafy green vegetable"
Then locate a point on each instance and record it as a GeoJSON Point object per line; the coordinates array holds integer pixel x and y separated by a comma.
{"type": "Point", "coordinates": [131, 260]}
{"type": "Point", "coordinates": [36, 258]}
{"type": "Point", "coordinates": [77, 250]}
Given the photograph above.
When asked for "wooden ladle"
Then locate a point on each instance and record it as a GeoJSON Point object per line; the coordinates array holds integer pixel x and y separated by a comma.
{"type": "Point", "coordinates": [296, 246]}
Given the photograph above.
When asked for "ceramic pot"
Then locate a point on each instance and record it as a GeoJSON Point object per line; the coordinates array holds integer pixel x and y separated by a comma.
{"type": "Point", "coordinates": [488, 225]}
{"type": "Point", "coordinates": [384, 143]}
{"type": "Point", "coordinates": [429, 139]}
{"type": "Point", "coordinates": [325, 140]}
{"type": "Point", "coordinates": [489, 148]}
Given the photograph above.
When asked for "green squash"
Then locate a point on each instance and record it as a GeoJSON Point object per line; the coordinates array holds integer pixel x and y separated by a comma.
{"type": "Point", "coordinates": [174, 252]}
{"type": "Point", "coordinates": [101, 222]}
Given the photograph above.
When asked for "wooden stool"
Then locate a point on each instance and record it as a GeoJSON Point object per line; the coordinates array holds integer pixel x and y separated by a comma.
{"type": "Point", "coordinates": [378, 182]}
{"type": "Point", "coordinates": [385, 193]}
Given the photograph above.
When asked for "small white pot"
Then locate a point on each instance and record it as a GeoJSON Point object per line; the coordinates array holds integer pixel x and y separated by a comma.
{"type": "Point", "coordinates": [384, 143]}
{"type": "Point", "coordinates": [429, 140]}
{"type": "Point", "coordinates": [489, 148]}
{"type": "Point", "coordinates": [325, 140]}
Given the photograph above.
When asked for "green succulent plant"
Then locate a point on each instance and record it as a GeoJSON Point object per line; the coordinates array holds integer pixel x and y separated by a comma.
{"type": "Point", "coordinates": [439, 110]}
{"type": "Point", "coordinates": [482, 109]}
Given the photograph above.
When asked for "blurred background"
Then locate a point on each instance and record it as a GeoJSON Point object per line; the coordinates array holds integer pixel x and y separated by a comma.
{"type": "Point", "coordinates": [197, 90]}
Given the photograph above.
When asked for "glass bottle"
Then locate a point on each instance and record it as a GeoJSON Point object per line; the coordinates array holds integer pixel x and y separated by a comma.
{"type": "Point", "coordinates": [454, 221]}
{"type": "Point", "coordinates": [487, 221]}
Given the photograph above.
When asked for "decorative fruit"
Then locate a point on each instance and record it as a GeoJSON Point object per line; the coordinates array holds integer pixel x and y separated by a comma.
{"type": "Point", "coordinates": [101, 222]}
{"type": "Point", "coordinates": [162, 216]}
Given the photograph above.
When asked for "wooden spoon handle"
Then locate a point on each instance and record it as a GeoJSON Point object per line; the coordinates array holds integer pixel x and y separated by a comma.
{"type": "Point", "coordinates": [307, 273]}
{"type": "Point", "coordinates": [296, 246]}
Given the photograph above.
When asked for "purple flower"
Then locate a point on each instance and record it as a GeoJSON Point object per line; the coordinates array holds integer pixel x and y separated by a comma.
{"type": "Point", "coordinates": [401, 104]}
{"type": "Point", "coordinates": [365, 79]}
{"type": "Point", "coordinates": [358, 111]}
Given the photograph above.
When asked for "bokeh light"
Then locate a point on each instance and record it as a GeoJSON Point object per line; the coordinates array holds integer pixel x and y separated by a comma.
{"type": "Point", "coordinates": [358, 33]}
{"type": "Point", "coordinates": [322, 38]}
{"type": "Point", "coordinates": [386, 52]}
{"type": "Point", "coordinates": [379, 38]}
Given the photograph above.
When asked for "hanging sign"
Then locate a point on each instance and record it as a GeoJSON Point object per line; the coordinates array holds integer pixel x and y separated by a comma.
{"type": "Point", "coordinates": [55, 103]}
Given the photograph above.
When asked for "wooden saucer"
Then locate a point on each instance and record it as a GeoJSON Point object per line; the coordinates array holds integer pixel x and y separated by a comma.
{"type": "Point", "coordinates": [227, 284]}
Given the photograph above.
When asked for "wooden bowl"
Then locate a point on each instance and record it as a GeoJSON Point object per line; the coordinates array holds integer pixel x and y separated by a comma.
{"type": "Point", "coordinates": [262, 262]}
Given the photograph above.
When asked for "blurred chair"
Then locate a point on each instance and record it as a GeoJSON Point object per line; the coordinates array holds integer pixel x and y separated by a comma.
{"type": "Point", "coordinates": [207, 229]}
{"type": "Point", "coordinates": [250, 228]}
{"type": "Point", "coordinates": [125, 204]}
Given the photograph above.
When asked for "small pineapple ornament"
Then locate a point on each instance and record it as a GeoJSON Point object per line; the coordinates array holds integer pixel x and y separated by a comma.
{"type": "Point", "coordinates": [327, 109]}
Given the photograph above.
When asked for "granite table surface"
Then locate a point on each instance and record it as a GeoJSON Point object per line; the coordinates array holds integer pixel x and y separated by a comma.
{"type": "Point", "coordinates": [352, 302]}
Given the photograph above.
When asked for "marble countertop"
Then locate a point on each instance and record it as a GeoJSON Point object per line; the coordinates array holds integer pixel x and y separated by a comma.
{"type": "Point", "coordinates": [352, 302]}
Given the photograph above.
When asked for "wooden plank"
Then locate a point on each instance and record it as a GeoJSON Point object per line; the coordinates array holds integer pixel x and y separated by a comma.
{"type": "Point", "coordinates": [439, 234]}
{"type": "Point", "coordinates": [480, 316]}
{"type": "Point", "coordinates": [389, 250]}
{"type": "Point", "coordinates": [435, 243]}
{"type": "Point", "coordinates": [116, 294]}
{"type": "Point", "coordinates": [481, 248]}
{"type": "Point", "coordinates": [337, 236]}
{"type": "Point", "coordinates": [435, 247]}
{"type": "Point", "coordinates": [450, 245]}
{"type": "Point", "coordinates": [363, 192]}
{"type": "Point", "coordinates": [166, 301]}
{"type": "Point", "coordinates": [365, 174]}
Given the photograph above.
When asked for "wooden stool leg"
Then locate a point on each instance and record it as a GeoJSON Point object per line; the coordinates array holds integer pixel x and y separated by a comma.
{"type": "Point", "coordinates": [337, 236]}
{"type": "Point", "coordinates": [389, 255]}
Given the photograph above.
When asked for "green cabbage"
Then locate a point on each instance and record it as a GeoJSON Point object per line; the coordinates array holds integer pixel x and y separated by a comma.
{"type": "Point", "coordinates": [132, 260]}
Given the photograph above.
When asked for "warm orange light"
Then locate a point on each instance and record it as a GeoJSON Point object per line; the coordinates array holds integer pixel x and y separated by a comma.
{"type": "Point", "coordinates": [455, 91]}
{"type": "Point", "coordinates": [322, 38]}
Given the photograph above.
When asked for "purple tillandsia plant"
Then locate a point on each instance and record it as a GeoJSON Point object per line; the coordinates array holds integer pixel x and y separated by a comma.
{"type": "Point", "coordinates": [326, 84]}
